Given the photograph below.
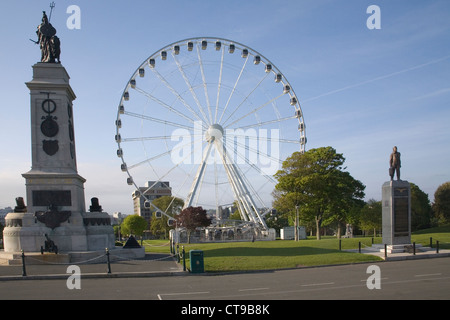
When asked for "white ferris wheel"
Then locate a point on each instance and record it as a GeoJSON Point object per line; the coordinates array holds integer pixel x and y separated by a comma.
{"type": "Point", "coordinates": [216, 119]}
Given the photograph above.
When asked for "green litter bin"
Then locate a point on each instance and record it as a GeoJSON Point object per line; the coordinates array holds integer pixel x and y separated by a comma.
{"type": "Point", "coordinates": [196, 261]}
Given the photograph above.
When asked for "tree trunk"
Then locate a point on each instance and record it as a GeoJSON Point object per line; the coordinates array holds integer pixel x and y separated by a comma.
{"type": "Point", "coordinates": [318, 223]}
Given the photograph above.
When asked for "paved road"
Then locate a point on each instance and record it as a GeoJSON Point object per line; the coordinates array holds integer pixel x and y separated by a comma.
{"type": "Point", "coordinates": [411, 279]}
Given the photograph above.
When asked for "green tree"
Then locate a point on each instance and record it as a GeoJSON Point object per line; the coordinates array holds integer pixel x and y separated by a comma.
{"type": "Point", "coordinates": [370, 217]}
{"type": "Point", "coordinates": [348, 195]}
{"type": "Point", "coordinates": [192, 218]}
{"type": "Point", "coordinates": [276, 221]}
{"type": "Point", "coordinates": [421, 210]}
{"type": "Point", "coordinates": [171, 206]}
{"type": "Point", "coordinates": [236, 215]}
{"type": "Point", "coordinates": [316, 182]}
{"type": "Point", "coordinates": [441, 205]}
{"type": "Point", "coordinates": [133, 225]}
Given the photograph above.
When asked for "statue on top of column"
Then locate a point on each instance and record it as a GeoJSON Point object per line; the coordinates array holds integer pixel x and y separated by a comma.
{"type": "Point", "coordinates": [394, 164]}
{"type": "Point", "coordinates": [49, 43]}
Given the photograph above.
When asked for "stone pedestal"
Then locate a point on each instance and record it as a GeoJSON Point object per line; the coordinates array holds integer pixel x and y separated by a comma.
{"type": "Point", "coordinates": [396, 212]}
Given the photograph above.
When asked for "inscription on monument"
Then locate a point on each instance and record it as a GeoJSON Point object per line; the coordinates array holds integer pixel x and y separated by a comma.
{"type": "Point", "coordinates": [46, 198]}
{"type": "Point", "coordinates": [401, 223]}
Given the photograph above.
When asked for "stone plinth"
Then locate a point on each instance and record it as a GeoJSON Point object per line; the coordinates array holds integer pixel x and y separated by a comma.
{"type": "Point", "coordinates": [396, 212]}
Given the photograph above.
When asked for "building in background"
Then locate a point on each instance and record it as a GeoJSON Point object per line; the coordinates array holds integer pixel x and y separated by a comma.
{"type": "Point", "coordinates": [145, 195]}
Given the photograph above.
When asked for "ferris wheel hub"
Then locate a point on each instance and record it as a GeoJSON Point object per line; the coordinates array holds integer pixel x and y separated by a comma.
{"type": "Point", "coordinates": [214, 132]}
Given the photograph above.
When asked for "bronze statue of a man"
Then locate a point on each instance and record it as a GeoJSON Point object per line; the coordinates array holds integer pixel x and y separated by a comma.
{"type": "Point", "coordinates": [394, 164]}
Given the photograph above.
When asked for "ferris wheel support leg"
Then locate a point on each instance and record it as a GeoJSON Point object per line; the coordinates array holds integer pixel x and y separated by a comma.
{"type": "Point", "coordinates": [250, 203]}
{"type": "Point", "coordinates": [231, 180]}
{"type": "Point", "coordinates": [242, 194]}
{"type": "Point", "coordinates": [198, 178]}
{"type": "Point", "coordinates": [237, 195]}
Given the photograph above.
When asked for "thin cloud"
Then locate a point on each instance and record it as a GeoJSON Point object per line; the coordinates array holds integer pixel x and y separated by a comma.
{"type": "Point", "coordinates": [378, 78]}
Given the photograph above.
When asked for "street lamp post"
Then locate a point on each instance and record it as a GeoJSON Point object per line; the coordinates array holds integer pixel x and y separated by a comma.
{"type": "Point", "coordinates": [296, 223]}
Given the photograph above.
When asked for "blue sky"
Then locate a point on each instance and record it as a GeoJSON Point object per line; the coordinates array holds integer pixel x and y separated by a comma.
{"type": "Point", "coordinates": [362, 91]}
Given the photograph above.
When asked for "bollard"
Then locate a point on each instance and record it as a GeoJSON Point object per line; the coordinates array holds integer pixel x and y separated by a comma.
{"type": "Point", "coordinates": [431, 242]}
{"type": "Point", "coordinates": [184, 258]}
{"type": "Point", "coordinates": [24, 271]}
{"type": "Point", "coordinates": [437, 246]}
{"type": "Point", "coordinates": [385, 251]}
{"type": "Point", "coordinates": [359, 247]}
{"type": "Point", "coordinates": [178, 253]}
{"type": "Point", "coordinates": [340, 244]}
{"type": "Point", "coordinates": [414, 248]}
{"type": "Point", "coordinates": [108, 261]}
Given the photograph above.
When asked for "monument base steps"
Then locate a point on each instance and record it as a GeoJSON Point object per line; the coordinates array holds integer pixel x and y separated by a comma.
{"type": "Point", "coordinates": [398, 248]}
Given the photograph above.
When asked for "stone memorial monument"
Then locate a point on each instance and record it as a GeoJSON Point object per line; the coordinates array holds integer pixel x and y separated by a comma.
{"type": "Point", "coordinates": [55, 211]}
{"type": "Point", "coordinates": [396, 207]}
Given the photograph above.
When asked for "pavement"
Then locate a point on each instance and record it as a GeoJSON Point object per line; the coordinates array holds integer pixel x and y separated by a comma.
{"type": "Point", "coordinates": [420, 253]}
{"type": "Point", "coordinates": [160, 265]}
{"type": "Point", "coordinates": [153, 264]}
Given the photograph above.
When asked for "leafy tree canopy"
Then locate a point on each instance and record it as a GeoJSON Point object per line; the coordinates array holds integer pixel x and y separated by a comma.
{"type": "Point", "coordinates": [192, 218]}
{"type": "Point", "coordinates": [316, 182]}
{"type": "Point", "coordinates": [441, 205]}
{"type": "Point", "coordinates": [134, 224]}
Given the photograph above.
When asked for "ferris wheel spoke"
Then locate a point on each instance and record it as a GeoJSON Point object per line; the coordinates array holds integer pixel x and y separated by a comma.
{"type": "Point", "coordinates": [234, 89]}
{"type": "Point", "coordinates": [254, 110]}
{"type": "Point", "coordinates": [176, 94]}
{"type": "Point", "coordinates": [256, 168]}
{"type": "Point", "coordinates": [245, 99]}
{"type": "Point", "coordinates": [165, 153]}
{"type": "Point", "coordinates": [266, 139]}
{"type": "Point", "coordinates": [205, 87]}
{"type": "Point", "coordinates": [152, 119]}
{"type": "Point", "coordinates": [140, 139]}
{"type": "Point", "coordinates": [259, 124]}
{"type": "Point", "coordinates": [191, 89]}
{"type": "Point", "coordinates": [170, 170]}
{"type": "Point", "coordinates": [219, 86]}
{"type": "Point", "coordinates": [258, 153]}
{"type": "Point", "coordinates": [162, 103]}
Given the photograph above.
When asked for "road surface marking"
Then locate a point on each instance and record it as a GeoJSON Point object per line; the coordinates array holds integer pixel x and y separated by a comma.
{"type": "Point", "coordinates": [180, 294]}
{"type": "Point", "coordinates": [428, 275]}
{"type": "Point", "coordinates": [317, 284]}
{"type": "Point", "coordinates": [254, 289]}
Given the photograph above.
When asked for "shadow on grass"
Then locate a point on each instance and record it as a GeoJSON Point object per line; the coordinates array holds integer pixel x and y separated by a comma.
{"type": "Point", "coordinates": [272, 252]}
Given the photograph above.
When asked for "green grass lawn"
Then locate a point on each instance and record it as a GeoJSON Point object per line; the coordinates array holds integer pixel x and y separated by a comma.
{"type": "Point", "coordinates": [265, 255]}
{"type": "Point", "coordinates": [282, 254]}
{"type": "Point", "coordinates": [441, 234]}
